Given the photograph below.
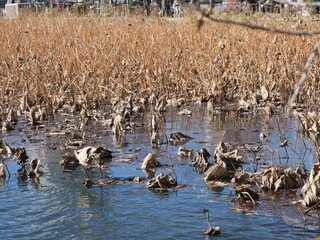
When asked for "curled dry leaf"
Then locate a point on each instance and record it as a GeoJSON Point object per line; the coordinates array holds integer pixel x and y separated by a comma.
{"type": "Point", "coordinates": [229, 160]}
{"type": "Point", "coordinates": [35, 168]}
{"type": "Point", "coordinates": [279, 178]}
{"type": "Point", "coordinates": [179, 138]}
{"type": "Point", "coordinates": [240, 178]}
{"type": "Point", "coordinates": [201, 160]}
{"type": "Point", "coordinates": [163, 181]}
{"type": "Point", "coordinates": [5, 150]}
{"type": "Point", "coordinates": [149, 162]}
{"type": "Point", "coordinates": [221, 148]}
{"type": "Point", "coordinates": [212, 231]}
{"type": "Point", "coordinates": [89, 154]}
{"type": "Point", "coordinates": [217, 173]}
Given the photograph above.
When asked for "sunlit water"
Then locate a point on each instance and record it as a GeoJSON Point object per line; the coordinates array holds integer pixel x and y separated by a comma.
{"type": "Point", "coordinates": [57, 206]}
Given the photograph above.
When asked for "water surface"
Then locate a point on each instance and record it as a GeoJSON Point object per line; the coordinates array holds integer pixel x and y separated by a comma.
{"type": "Point", "coordinates": [57, 206]}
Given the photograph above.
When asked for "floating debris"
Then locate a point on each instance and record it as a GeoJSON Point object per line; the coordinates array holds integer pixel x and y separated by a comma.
{"type": "Point", "coordinates": [185, 112]}
{"type": "Point", "coordinates": [179, 138]}
{"type": "Point", "coordinates": [212, 231]}
{"type": "Point", "coordinates": [149, 162]}
{"type": "Point", "coordinates": [114, 181]}
{"type": "Point", "coordinates": [201, 160]}
{"type": "Point", "coordinates": [74, 144]}
{"type": "Point", "coordinates": [184, 152]}
{"type": "Point", "coordinates": [69, 161]}
{"type": "Point", "coordinates": [125, 158]}
{"type": "Point", "coordinates": [311, 189]}
{"type": "Point", "coordinates": [163, 181]}
{"type": "Point", "coordinates": [89, 154]}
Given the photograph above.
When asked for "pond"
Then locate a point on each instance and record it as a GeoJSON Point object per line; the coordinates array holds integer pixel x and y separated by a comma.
{"type": "Point", "coordinates": [58, 206]}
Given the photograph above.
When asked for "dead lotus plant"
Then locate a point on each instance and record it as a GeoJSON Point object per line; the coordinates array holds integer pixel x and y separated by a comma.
{"type": "Point", "coordinates": [178, 138]}
{"type": "Point", "coordinates": [229, 160]}
{"type": "Point", "coordinates": [150, 163]}
{"type": "Point", "coordinates": [201, 160]}
{"type": "Point", "coordinates": [21, 156]}
{"type": "Point", "coordinates": [163, 181]}
{"type": "Point", "coordinates": [311, 189]}
{"type": "Point", "coordinates": [279, 178]}
{"type": "Point", "coordinates": [88, 155]}
{"type": "Point", "coordinates": [5, 150]}
{"type": "Point", "coordinates": [185, 153]}
{"type": "Point", "coordinates": [217, 173]}
{"type": "Point", "coordinates": [35, 168]}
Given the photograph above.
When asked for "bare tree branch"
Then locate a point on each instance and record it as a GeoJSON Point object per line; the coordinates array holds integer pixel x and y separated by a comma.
{"type": "Point", "coordinates": [306, 4]}
{"type": "Point", "coordinates": [256, 27]}
{"type": "Point", "coordinates": [303, 77]}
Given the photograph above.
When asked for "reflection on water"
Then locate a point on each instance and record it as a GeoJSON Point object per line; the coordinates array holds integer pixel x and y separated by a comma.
{"type": "Point", "coordinates": [57, 206]}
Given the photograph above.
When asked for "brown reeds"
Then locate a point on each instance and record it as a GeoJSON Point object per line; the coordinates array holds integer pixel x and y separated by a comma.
{"type": "Point", "coordinates": [54, 61]}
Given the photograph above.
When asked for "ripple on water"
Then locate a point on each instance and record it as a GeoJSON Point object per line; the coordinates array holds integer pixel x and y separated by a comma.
{"type": "Point", "coordinates": [59, 207]}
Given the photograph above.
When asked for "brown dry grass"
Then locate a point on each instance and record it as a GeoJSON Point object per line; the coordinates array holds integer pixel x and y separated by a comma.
{"type": "Point", "coordinates": [61, 59]}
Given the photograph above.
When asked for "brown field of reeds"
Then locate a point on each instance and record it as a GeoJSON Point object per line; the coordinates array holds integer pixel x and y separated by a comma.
{"type": "Point", "coordinates": [54, 60]}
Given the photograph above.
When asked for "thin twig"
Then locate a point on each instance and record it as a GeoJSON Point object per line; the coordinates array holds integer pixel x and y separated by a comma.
{"type": "Point", "coordinates": [206, 212]}
{"type": "Point", "coordinates": [257, 27]}
{"type": "Point", "coordinates": [296, 4]}
{"type": "Point", "coordinates": [8, 171]}
{"type": "Point", "coordinates": [314, 206]}
{"type": "Point", "coordinates": [303, 77]}
{"type": "Point", "coordinates": [303, 214]}
{"type": "Point", "coordinates": [254, 203]}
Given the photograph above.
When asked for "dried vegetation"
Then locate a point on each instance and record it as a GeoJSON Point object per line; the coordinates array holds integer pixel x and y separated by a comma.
{"type": "Point", "coordinates": [84, 65]}
{"type": "Point", "coordinates": [76, 63]}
